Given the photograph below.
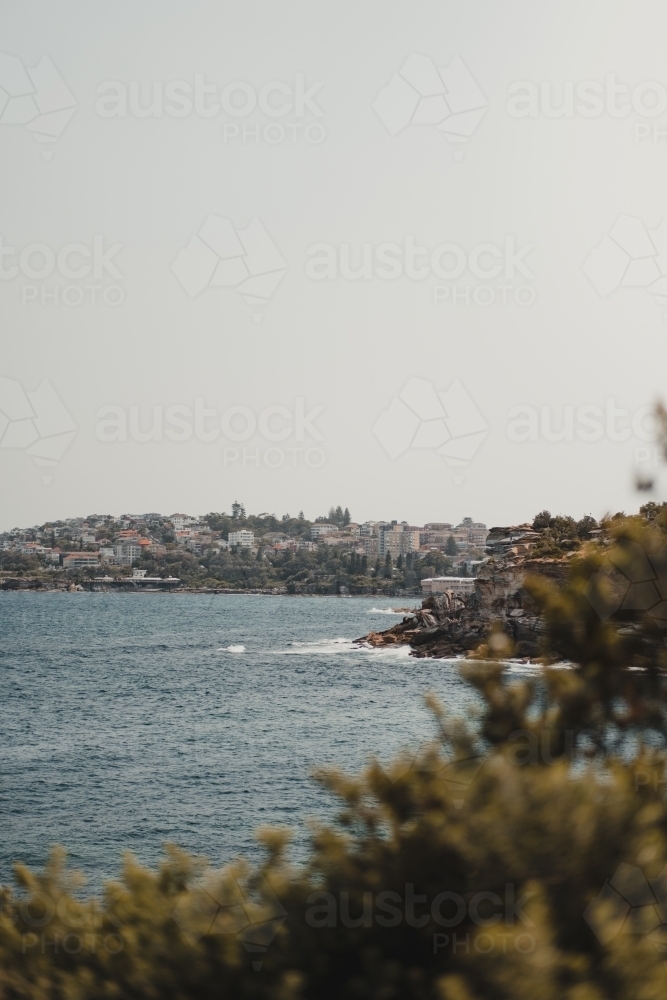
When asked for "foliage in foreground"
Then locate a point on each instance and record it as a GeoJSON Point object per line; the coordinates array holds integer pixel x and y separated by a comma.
{"type": "Point", "coordinates": [521, 854]}
{"type": "Point", "coordinates": [522, 858]}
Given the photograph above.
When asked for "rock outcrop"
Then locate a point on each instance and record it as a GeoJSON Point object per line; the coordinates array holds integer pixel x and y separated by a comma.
{"type": "Point", "coordinates": [447, 625]}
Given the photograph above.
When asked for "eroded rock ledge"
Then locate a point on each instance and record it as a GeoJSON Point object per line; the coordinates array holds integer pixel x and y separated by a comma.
{"type": "Point", "coordinates": [447, 625]}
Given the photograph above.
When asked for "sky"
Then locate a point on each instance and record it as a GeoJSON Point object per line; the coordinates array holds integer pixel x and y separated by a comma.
{"type": "Point", "coordinates": [406, 258]}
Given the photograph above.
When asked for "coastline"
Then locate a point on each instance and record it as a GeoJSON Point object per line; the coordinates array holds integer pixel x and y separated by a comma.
{"type": "Point", "coordinates": [30, 587]}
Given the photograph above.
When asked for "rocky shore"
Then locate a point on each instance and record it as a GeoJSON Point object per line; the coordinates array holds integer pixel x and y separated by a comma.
{"type": "Point", "coordinates": [447, 625]}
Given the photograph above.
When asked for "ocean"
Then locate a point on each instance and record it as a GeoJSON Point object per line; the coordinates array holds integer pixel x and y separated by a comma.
{"type": "Point", "coordinates": [129, 720]}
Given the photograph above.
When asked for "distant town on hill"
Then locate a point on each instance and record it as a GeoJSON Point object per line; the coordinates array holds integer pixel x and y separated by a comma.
{"type": "Point", "coordinates": [237, 551]}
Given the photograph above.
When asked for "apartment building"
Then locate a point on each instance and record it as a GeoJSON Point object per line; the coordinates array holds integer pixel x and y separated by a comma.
{"type": "Point", "coordinates": [126, 552]}
{"type": "Point", "coordinates": [317, 530]}
{"type": "Point", "coordinates": [470, 533]}
{"type": "Point", "coordinates": [371, 546]}
{"type": "Point", "coordinates": [181, 522]}
{"type": "Point", "coordinates": [467, 534]}
{"type": "Point", "coordinates": [242, 539]}
{"type": "Point", "coordinates": [81, 560]}
{"type": "Point", "coordinates": [436, 533]}
{"type": "Point", "coordinates": [397, 539]}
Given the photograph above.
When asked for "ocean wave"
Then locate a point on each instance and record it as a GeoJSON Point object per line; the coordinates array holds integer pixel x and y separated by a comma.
{"type": "Point", "coordinates": [519, 667]}
{"type": "Point", "coordinates": [316, 647]}
{"type": "Point", "coordinates": [387, 611]}
{"type": "Point", "coordinates": [231, 649]}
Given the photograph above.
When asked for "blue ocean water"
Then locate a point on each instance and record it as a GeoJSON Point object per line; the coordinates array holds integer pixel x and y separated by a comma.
{"type": "Point", "coordinates": [128, 720]}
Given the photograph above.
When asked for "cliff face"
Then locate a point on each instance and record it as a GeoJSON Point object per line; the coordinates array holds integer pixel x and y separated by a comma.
{"type": "Point", "coordinates": [448, 626]}
{"type": "Point", "coordinates": [499, 583]}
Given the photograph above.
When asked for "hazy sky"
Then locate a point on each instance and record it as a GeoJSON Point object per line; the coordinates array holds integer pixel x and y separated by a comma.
{"type": "Point", "coordinates": [406, 257]}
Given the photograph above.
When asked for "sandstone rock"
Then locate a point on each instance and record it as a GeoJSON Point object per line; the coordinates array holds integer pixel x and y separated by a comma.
{"type": "Point", "coordinates": [449, 626]}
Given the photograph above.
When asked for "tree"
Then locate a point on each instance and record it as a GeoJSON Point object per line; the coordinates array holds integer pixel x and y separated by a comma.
{"type": "Point", "coordinates": [346, 516]}
{"type": "Point", "coordinates": [542, 520]}
{"type": "Point", "coordinates": [238, 510]}
{"type": "Point", "coordinates": [387, 566]}
{"type": "Point", "coordinates": [586, 525]}
{"type": "Point", "coordinates": [450, 547]}
{"type": "Point", "coordinates": [399, 561]}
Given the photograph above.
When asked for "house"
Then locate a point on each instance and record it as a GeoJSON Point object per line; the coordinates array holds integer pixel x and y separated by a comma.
{"type": "Point", "coordinates": [195, 544]}
{"type": "Point", "coordinates": [33, 549]}
{"type": "Point", "coordinates": [286, 545]}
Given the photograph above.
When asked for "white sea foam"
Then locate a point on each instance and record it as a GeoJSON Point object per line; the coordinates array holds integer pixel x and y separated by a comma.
{"type": "Point", "coordinates": [231, 649]}
{"type": "Point", "coordinates": [385, 611]}
{"type": "Point", "coordinates": [518, 667]}
{"type": "Point", "coordinates": [317, 647]}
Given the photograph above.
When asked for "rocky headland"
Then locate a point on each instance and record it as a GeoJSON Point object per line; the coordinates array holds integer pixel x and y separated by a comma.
{"type": "Point", "coordinates": [448, 625]}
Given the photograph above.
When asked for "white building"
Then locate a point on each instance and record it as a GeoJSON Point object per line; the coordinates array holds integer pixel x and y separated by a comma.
{"type": "Point", "coordinates": [322, 529]}
{"type": "Point", "coordinates": [242, 539]}
{"type": "Point", "coordinates": [125, 553]}
{"type": "Point", "coordinates": [181, 522]}
{"type": "Point", "coordinates": [81, 560]}
{"type": "Point", "coordinates": [458, 585]}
